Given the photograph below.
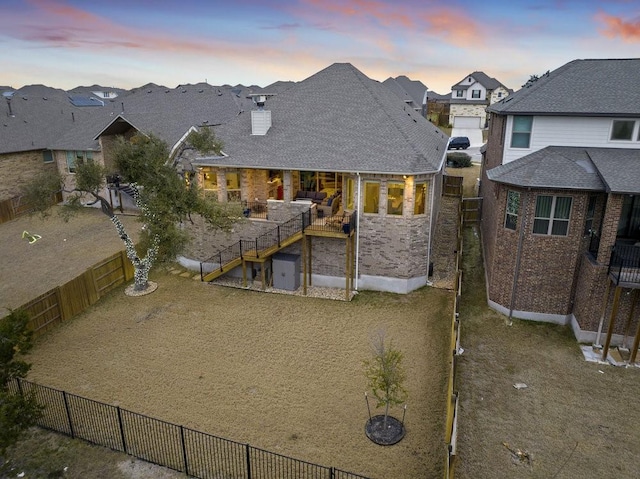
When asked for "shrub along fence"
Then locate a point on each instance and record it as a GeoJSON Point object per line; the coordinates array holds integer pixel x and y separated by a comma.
{"type": "Point", "coordinates": [195, 453]}
{"type": "Point", "coordinates": [451, 433]}
{"type": "Point", "coordinates": [66, 301]}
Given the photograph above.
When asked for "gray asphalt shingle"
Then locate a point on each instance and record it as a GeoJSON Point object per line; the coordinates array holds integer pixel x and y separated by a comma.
{"type": "Point", "coordinates": [562, 167]}
{"type": "Point", "coordinates": [336, 120]}
{"type": "Point", "coordinates": [601, 87]}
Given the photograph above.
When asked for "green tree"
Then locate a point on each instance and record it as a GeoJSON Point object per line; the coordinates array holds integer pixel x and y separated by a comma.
{"type": "Point", "coordinates": [17, 411]}
{"type": "Point", "coordinates": [164, 199]}
{"type": "Point", "coordinates": [385, 374]}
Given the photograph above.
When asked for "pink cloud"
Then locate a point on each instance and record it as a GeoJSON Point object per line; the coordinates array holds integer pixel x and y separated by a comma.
{"type": "Point", "coordinates": [454, 25]}
{"type": "Point", "coordinates": [614, 27]}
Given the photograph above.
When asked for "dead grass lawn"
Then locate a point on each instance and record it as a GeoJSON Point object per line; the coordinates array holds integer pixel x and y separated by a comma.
{"type": "Point", "coordinates": [280, 372]}
{"type": "Point", "coordinates": [574, 420]}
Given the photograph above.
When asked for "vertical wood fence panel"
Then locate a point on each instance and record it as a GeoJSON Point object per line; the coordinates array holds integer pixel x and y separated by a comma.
{"type": "Point", "coordinates": [66, 301]}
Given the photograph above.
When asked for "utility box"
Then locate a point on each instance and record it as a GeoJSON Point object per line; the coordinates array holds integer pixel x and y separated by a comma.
{"type": "Point", "coordinates": [286, 271]}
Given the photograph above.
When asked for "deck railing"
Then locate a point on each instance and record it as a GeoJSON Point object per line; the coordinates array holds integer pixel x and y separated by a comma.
{"type": "Point", "coordinates": [346, 224]}
{"type": "Point", "coordinates": [624, 264]}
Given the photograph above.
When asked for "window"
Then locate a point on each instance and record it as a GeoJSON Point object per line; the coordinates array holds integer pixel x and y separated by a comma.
{"type": "Point", "coordinates": [459, 93]}
{"type": "Point", "coordinates": [209, 179]}
{"type": "Point", "coordinates": [499, 94]}
{"type": "Point", "coordinates": [552, 215]}
{"type": "Point", "coordinates": [622, 130]}
{"type": "Point", "coordinates": [371, 196]}
{"type": "Point", "coordinates": [591, 209]}
{"type": "Point", "coordinates": [475, 93]}
{"type": "Point", "coordinates": [513, 208]}
{"type": "Point", "coordinates": [47, 156]}
{"type": "Point", "coordinates": [395, 198]}
{"type": "Point", "coordinates": [521, 135]}
{"type": "Point", "coordinates": [421, 199]}
{"type": "Point", "coordinates": [75, 158]}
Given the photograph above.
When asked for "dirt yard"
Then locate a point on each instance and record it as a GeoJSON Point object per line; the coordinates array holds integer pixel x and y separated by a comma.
{"type": "Point", "coordinates": [574, 419]}
{"type": "Point", "coordinates": [280, 372]}
{"type": "Point", "coordinates": [63, 251]}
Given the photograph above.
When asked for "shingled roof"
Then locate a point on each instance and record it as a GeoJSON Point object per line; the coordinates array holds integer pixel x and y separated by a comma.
{"type": "Point", "coordinates": [563, 167]}
{"type": "Point", "coordinates": [601, 87]}
{"type": "Point", "coordinates": [336, 120]}
{"type": "Point", "coordinates": [408, 90]}
{"type": "Point", "coordinates": [37, 117]}
{"type": "Point", "coordinates": [170, 113]}
{"type": "Point", "coordinates": [481, 77]}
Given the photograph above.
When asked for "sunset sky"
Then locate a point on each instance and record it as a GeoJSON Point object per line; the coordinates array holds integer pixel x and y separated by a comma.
{"type": "Point", "coordinates": [128, 43]}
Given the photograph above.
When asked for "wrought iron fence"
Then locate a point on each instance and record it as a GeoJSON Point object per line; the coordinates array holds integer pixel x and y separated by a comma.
{"type": "Point", "coordinates": [624, 264]}
{"type": "Point", "coordinates": [195, 453]}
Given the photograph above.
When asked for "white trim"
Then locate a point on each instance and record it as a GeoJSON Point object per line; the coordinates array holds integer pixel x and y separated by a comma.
{"type": "Point", "coordinates": [561, 319]}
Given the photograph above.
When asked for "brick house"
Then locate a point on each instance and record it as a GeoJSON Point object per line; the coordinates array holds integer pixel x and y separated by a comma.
{"type": "Point", "coordinates": [44, 130]}
{"type": "Point", "coordinates": [344, 135]}
{"type": "Point", "coordinates": [561, 192]}
{"type": "Point", "coordinates": [470, 98]}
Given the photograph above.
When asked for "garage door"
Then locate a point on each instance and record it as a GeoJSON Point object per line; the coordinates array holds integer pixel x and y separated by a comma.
{"type": "Point", "coordinates": [466, 122]}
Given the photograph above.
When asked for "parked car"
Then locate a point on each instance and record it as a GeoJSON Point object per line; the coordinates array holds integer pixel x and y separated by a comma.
{"type": "Point", "coordinates": [459, 142]}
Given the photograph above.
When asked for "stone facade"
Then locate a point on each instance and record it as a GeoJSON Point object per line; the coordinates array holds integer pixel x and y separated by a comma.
{"type": "Point", "coordinates": [393, 250]}
{"type": "Point", "coordinates": [458, 109]}
{"type": "Point", "coordinates": [18, 169]}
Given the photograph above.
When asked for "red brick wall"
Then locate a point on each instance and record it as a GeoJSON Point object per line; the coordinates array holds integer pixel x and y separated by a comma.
{"type": "Point", "coordinates": [492, 216]}
{"type": "Point", "coordinates": [548, 264]}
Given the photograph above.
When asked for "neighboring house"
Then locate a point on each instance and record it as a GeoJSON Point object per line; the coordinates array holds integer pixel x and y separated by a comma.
{"type": "Point", "coordinates": [412, 92]}
{"type": "Point", "coordinates": [471, 96]}
{"type": "Point", "coordinates": [338, 144]}
{"type": "Point", "coordinates": [340, 135]}
{"type": "Point", "coordinates": [35, 120]}
{"type": "Point", "coordinates": [561, 189]}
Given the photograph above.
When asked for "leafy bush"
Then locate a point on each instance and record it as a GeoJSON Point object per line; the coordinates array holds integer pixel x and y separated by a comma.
{"type": "Point", "coordinates": [458, 160]}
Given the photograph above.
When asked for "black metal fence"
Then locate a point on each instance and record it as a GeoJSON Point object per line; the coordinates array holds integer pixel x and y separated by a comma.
{"type": "Point", "coordinates": [624, 264]}
{"type": "Point", "coordinates": [195, 453]}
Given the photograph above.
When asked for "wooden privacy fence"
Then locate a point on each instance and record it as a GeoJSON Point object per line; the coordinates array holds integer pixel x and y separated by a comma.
{"type": "Point", "coordinates": [471, 210]}
{"type": "Point", "coordinates": [451, 433]}
{"type": "Point", "coordinates": [15, 207]}
{"type": "Point", "coordinates": [70, 299]}
{"type": "Point", "coordinates": [452, 185]}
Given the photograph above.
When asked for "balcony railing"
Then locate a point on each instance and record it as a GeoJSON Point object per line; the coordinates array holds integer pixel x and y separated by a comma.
{"type": "Point", "coordinates": [255, 209]}
{"type": "Point", "coordinates": [624, 264]}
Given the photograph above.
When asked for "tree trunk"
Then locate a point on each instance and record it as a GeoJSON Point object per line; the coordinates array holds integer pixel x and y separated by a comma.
{"type": "Point", "coordinates": [142, 266]}
{"type": "Point", "coordinates": [386, 415]}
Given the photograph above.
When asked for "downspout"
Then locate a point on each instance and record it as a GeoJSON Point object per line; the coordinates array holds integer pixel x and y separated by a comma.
{"type": "Point", "coordinates": [516, 272]}
{"type": "Point", "coordinates": [431, 223]}
{"type": "Point", "coordinates": [357, 232]}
